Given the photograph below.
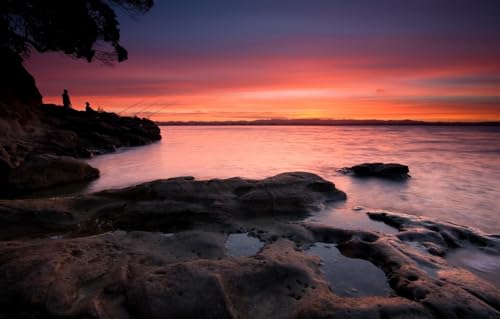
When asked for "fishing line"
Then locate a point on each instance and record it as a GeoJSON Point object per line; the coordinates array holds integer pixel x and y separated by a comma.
{"type": "Point", "coordinates": [131, 106]}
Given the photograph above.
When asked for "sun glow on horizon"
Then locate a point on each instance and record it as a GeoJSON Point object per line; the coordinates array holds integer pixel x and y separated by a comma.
{"type": "Point", "coordinates": [191, 60]}
{"type": "Point", "coordinates": [215, 88]}
{"type": "Point", "coordinates": [223, 107]}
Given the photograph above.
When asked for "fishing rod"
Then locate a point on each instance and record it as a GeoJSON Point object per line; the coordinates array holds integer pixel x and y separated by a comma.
{"type": "Point", "coordinates": [131, 106]}
{"type": "Point", "coordinates": [161, 109]}
{"type": "Point", "coordinates": [147, 107]}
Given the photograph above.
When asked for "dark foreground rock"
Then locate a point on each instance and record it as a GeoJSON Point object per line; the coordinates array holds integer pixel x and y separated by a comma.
{"type": "Point", "coordinates": [384, 170]}
{"type": "Point", "coordinates": [170, 205]}
{"type": "Point", "coordinates": [158, 249]}
{"type": "Point", "coordinates": [45, 171]}
{"type": "Point", "coordinates": [31, 132]}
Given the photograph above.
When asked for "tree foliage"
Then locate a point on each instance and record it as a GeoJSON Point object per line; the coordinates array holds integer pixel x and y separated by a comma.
{"type": "Point", "coordinates": [81, 28]}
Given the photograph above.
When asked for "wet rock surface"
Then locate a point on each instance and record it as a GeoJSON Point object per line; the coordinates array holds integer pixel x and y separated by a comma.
{"type": "Point", "coordinates": [382, 170]}
{"type": "Point", "coordinates": [34, 132]}
{"type": "Point", "coordinates": [159, 249]}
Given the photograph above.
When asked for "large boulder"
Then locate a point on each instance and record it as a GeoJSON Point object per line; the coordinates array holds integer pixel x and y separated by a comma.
{"type": "Point", "coordinates": [43, 171]}
{"type": "Point", "coordinates": [170, 204]}
{"type": "Point", "coordinates": [293, 194]}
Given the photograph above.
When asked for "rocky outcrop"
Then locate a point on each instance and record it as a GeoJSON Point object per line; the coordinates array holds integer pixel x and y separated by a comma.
{"type": "Point", "coordinates": [83, 134]}
{"type": "Point", "coordinates": [50, 130]}
{"type": "Point", "coordinates": [438, 236]}
{"type": "Point", "coordinates": [159, 248]}
{"type": "Point", "coordinates": [383, 170]}
{"type": "Point", "coordinates": [30, 131]}
{"type": "Point", "coordinates": [43, 171]}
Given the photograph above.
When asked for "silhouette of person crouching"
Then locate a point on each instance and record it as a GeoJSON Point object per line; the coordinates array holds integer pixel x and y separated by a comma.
{"type": "Point", "coordinates": [88, 109]}
{"type": "Point", "coordinates": [66, 100]}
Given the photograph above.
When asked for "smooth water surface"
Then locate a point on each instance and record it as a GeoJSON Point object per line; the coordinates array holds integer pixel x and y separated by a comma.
{"type": "Point", "coordinates": [242, 245]}
{"type": "Point", "coordinates": [350, 277]}
{"type": "Point", "coordinates": [455, 170]}
{"type": "Point", "coordinates": [478, 262]}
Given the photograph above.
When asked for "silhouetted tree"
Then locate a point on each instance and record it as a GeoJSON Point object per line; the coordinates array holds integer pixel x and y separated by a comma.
{"type": "Point", "coordinates": [86, 29]}
{"type": "Point", "coordinates": [81, 28]}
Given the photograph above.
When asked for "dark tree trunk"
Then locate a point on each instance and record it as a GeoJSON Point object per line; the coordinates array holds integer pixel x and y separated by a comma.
{"type": "Point", "coordinates": [17, 86]}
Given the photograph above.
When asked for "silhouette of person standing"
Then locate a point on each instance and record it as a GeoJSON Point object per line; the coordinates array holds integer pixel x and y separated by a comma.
{"type": "Point", "coordinates": [66, 100]}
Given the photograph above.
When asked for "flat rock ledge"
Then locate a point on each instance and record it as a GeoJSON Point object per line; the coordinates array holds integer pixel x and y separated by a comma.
{"type": "Point", "coordinates": [158, 249]}
{"type": "Point", "coordinates": [382, 170]}
{"type": "Point", "coordinates": [169, 205]}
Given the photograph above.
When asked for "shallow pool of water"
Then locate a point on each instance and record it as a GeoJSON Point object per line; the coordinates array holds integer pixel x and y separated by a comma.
{"type": "Point", "coordinates": [342, 215]}
{"type": "Point", "coordinates": [350, 277]}
{"type": "Point", "coordinates": [478, 262]}
{"type": "Point", "coordinates": [243, 245]}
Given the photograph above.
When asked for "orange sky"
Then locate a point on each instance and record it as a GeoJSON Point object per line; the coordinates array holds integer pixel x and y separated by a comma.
{"type": "Point", "coordinates": [249, 88]}
{"type": "Point", "coordinates": [334, 59]}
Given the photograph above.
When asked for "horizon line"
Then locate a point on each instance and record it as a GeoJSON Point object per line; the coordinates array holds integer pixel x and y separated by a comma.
{"type": "Point", "coordinates": [326, 122]}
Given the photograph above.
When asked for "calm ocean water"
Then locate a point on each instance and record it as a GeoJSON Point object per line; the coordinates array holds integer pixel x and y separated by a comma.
{"type": "Point", "coordinates": [455, 170]}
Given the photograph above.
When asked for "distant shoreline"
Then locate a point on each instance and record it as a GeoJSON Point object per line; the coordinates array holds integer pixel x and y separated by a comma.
{"type": "Point", "coordinates": [323, 123]}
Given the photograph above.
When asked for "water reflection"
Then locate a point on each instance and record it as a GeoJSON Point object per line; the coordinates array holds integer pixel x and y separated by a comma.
{"type": "Point", "coordinates": [342, 215]}
{"type": "Point", "coordinates": [350, 277]}
{"type": "Point", "coordinates": [242, 245]}
{"type": "Point", "coordinates": [455, 170]}
{"type": "Point", "coordinates": [478, 262]}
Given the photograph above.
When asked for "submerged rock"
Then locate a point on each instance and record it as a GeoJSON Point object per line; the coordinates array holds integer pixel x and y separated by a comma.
{"type": "Point", "coordinates": [389, 170]}
{"type": "Point", "coordinates": [440, 234]}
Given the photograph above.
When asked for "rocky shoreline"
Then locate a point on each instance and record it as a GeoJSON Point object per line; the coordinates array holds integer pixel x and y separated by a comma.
{"type": "Point", "coordinates": [159, 249]}
{"type": "Point", "coordinates": [41, 144]}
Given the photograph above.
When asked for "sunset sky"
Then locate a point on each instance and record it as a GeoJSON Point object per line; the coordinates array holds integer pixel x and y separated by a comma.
{"type": "Point", "coordinates": [260, 59]}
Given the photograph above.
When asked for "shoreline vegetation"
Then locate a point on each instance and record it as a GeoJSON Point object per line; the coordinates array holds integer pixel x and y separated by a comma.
{"type": "Point", "coordinates": [326, 122]}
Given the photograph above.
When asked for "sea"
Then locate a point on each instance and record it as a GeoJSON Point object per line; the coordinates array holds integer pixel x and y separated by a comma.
{"type": "Point", "coordinates": [455, 170]}
{"type": "Point", "coordinates": [455, 177]}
